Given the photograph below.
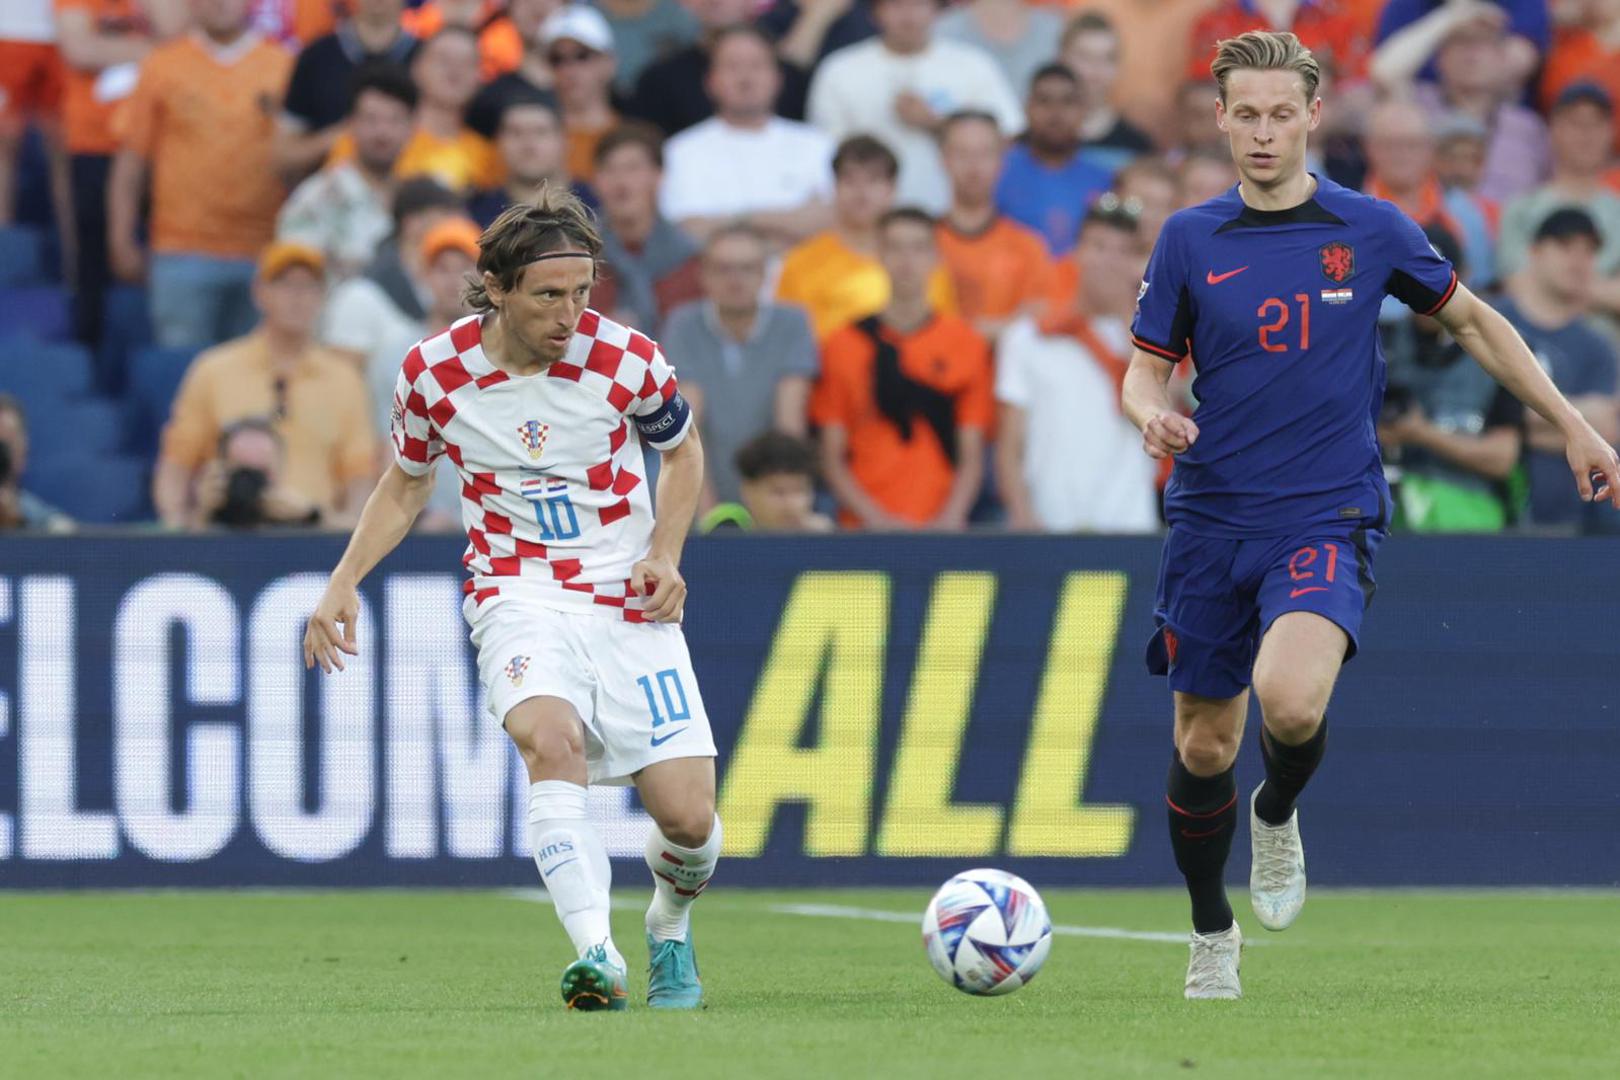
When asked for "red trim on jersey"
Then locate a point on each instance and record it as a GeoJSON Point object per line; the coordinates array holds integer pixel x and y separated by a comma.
{"type": "Point", "coordinates": [579, 586]}
{"type": "Point", "coordinates": [528, 549]}
{"type": "Point", "coordinates": [611, 601]}
{"type": "Point", "coordinates": [566, 569]}
{"type": "Point", "coordinates": [620, 397]}
{"type": "Point", "coordinates": [1446, 297]}
{"type": "Point", "coordinates": [484, 483]}
{"type": "Point", "coordinates": [494, 378]}
{"type": "Point", "coordinates": [497, 524]}
{"type": "Point", "coordinates": [505, 566]}
{"type": "Point", "coordinates": [562, 369]}
{"type": "Point", "coordinates": [620, 434]}
{"type": "Point", "coordinates": [416, 404]}
{"type": "Point", "coordinates": [648, 386]}
{"type": "Point", "coordinates": [480, 595]}
{"type": "Point", "coordinates": [600, 476]}
{"type": "Point", "coordinates": [667, 391]}
{"type": "Point", "coordinates": [480, 542]}
{"type": "Point", "coordinates": [610, 514]}
{"type": "Point", "coordinates": [453, 452]}
{"type": "Point", "coordinates": [589, 323]}
{"type": "Point", "coordinates": [1148, 346]}
{"type": "Point", "coordinates": [625, 482]}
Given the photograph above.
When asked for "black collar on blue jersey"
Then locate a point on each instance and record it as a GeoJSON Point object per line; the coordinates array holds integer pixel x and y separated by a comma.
{"type": "Point", "coordinates": [1309, 212]}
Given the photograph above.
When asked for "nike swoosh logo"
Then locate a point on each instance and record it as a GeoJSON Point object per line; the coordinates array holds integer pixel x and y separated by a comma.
{"type": "Point", "coordinates": [1309, 588]}
{"type": "Point", "coordinates": [660, 741]}
{"type": "Point", "coordinates": [1215, 279]}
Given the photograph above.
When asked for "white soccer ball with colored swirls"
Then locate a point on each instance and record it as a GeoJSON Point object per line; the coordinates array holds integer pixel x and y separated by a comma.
{"type": "Point", "coordinates": [987, 932]}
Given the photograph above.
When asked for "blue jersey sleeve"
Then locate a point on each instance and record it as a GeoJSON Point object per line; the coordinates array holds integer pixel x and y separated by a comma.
{"type": "Point", "coordinates": [1164, 315]}
{"type": "Point", "coordinates": [1419, 276]}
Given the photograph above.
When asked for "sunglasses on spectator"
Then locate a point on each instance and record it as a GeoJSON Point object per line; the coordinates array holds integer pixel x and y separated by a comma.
{"type": "Point", "coordinates": [1109, 204]}
{"type": "Point", "coordinates": [564, 57]}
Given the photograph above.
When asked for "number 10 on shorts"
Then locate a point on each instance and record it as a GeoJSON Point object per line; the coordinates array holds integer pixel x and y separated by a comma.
{"type": "Point", "coordinates": [673, 694]}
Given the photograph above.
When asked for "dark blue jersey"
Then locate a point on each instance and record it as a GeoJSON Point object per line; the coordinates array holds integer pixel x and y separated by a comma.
{"type": "Point", "coordinates": [1279, 310]}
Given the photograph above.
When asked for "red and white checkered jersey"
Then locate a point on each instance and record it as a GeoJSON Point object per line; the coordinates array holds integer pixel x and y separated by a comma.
{"type": "Point", "coordinates": [554, 493]}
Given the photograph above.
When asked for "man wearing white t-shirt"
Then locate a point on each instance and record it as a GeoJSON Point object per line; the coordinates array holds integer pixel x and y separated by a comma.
{"type": "Point", "coordinates": [1066, 459]}
{"type": "Point", "coordinates": [745, 161]}
{"type": "Point", "coordinates": [900, 85]}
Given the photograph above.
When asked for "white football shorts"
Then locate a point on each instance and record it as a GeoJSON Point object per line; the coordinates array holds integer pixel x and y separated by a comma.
{"type": "Point", "coordinates": [631, 683]}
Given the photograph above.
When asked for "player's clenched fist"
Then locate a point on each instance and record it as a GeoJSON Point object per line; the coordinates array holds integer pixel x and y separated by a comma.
{"type": "Point", "coordinates": [656, 578]}
{"type": "Point", "coordinates": [1168, 434]}
{"type": "Point", "coordinates": [324, 643]}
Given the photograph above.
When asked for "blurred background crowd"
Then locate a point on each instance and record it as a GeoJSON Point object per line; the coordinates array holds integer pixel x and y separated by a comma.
{"type": "Point", "coordinates": [892, 246]}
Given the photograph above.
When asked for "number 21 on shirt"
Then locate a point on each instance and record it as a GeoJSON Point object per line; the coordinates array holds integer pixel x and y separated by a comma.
{"type": "Point", "coordinates": [1277, 311]}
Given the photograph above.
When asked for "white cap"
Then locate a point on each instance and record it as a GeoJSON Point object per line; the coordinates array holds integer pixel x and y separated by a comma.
{"type": "Point", "coordinates": [578, 22]}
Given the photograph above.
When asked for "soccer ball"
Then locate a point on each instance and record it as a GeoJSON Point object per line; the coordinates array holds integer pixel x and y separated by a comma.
{"type": "Point", "coordinates": [987, 932]}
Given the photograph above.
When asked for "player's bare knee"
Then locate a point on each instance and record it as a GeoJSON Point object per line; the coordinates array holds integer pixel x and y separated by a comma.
{"type": "Point", "coordinates": [687, 825]}
{"type": "Point", "coordinates": [1292, 713]}
{"type": "Point", "coordinates": [550, 744]}
{"type": "Point", "coordinates": [1208, 751]}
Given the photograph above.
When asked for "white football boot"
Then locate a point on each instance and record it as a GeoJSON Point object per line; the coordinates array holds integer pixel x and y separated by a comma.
{"type": "Point", "coordinates": [1212, 972]}
{"type": "Point", "coordinates": [1277, 874]}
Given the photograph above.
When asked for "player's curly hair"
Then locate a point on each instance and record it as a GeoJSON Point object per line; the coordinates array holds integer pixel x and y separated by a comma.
{"type": "Point", "coordinates": [1266, 50]}
{"type": "Point", "coordinates": [554, 220]}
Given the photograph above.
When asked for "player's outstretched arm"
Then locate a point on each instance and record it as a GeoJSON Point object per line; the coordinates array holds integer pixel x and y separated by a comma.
{"type": "Point", "coordinates": [1490, 339]}
{"type": "Point", "coordinates": [388, 515]}
{"type": "Point", "coordinates": [1145, 400]}
{"type": "Point", "coordinates": [680, 484]}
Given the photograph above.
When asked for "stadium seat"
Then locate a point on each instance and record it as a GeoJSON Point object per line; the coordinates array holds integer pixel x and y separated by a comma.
{"type": "Point", "coordinates": [125, 328]}
{"type": "Point", "coordinates": [38, 371]}
{"type": "Point", "coordinates": [22, 256]}
{"type": "Point", "coordinates": [94, 490]}
{"type": "Point", "coordinates": [74, 428]}
{"type": "Point", "coordinates": [154, 377]}
{"type": "Point", "coordinates": [41, 311]}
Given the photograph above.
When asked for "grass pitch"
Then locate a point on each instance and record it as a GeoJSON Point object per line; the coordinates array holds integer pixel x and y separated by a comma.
{"type": "Point", "coordinates": [392, 984]}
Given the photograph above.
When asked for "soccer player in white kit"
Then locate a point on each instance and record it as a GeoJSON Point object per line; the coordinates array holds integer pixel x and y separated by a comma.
{"type": "Point", "coordinates": [574, 597]}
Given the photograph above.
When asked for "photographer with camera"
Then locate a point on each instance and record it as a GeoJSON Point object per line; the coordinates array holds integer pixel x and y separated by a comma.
{"type": "Point", "coordinates": [20, 509]}
{"type": "Point", "coordinates": [311, 398]}
{"type": "Point", "coordinates": [243, 488]}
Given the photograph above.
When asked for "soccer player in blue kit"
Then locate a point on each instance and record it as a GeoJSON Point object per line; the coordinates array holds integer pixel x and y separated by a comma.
{"type": "Point", "coordinates": [1277, 503]}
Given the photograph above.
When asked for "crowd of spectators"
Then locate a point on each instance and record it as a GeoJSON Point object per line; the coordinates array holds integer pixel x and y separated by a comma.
{"type": "Point", "coordinates": [891, 246]}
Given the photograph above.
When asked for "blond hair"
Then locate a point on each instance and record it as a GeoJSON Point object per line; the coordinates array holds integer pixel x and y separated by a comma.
{"type": "Point", "coordinates": [1266, 50]}
{"type": "Point", "coordinates": [553, 221]}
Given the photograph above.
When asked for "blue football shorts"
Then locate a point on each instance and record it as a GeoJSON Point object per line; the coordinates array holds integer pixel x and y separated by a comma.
{"type": "Point", "coordinates": [1218, 597]}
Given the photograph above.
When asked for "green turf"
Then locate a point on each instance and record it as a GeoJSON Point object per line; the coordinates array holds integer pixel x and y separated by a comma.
{"type": "Point", "coordinates": [464, 984]}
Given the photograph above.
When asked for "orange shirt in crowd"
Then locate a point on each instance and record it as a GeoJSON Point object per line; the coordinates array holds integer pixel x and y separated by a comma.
{"type": "Point", "coordinates": [1154, 41]}
{"type": "Point", "coordinates": [467, 162]}
{"type": "Point", "coordinates": [909, 478]}
{"type": "Point", "coordinates": [836, 284]}
{"type": "Point", "coordinates": [500, 47]}
{"type": "Point", "coordinates": [87, 124]}
{"type": "Point", "coordinates": [996, 271]}
{"type": "Point", "coordinates": [326, 427]}
{"type": "Point", "coordinates": [1578, 56]}
{"type": "Point", "coordinates": [203, 118]}
{"type": "Point", "coordinates": [582, 148]}
{"type": "Point", "coordinates": [1331, 29]}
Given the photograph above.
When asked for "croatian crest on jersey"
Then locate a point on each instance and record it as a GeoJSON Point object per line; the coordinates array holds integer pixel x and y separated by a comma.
{"type": "Point", "coordinates": [533, 433]}
{"type": "Point", "coordinates": [1338, 261]}
{"type": "Point", "coordinates": [515, 669]}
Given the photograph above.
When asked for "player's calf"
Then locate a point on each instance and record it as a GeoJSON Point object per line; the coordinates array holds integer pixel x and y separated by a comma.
{"type": "Point", "coordinates": [682, 851]}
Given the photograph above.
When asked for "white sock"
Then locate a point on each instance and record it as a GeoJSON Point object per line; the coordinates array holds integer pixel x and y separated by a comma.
{"type": "Point", "coordinates": [679, 875]}
{"type": "Point", "coordinates": [572, 862]}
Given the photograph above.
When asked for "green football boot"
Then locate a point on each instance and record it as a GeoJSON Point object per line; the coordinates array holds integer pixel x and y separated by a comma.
{"type": "Point", "coordinates": [672, 975]}
{"type": "Point", "coordinates": [594, 983]}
